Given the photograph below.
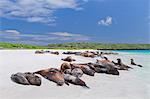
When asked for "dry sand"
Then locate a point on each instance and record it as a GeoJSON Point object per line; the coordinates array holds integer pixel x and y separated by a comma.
{"type": "Point", "coordinates": [133, 84]}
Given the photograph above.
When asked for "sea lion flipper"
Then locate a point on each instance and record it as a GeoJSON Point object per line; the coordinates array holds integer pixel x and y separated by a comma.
{"type": "Point", "coordinates": [86, 87]}
{"type": "Point", "coordinates": [66, 83]}
{"type": "Point", "coordinates": [140, 65]}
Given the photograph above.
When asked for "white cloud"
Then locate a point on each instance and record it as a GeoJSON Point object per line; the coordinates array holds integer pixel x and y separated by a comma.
{"type": "Point", "coordinates": [65, 34]}
{"type": "Point", "coordinates": [105, 22]}
{"type": "Point", "coordinates": [14, 35]}
{"type": "Point", "coordinates": [35, 10]}
{"type": "Point", "coordinates": [11, 32]}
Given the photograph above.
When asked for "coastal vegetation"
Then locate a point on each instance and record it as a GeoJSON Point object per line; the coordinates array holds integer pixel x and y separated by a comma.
{"type": "Point", "coordinates": [81, 45]}
{"type": "Point", "coordinates": [4, 45]}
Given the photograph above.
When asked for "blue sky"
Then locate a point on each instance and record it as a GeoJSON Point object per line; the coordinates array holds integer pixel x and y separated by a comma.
{"type": "Point", "coordinates": [42, 22]}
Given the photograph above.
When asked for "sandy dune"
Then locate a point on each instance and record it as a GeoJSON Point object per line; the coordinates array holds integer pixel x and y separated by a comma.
{"type": "Point", "coordinates": [133, 84]}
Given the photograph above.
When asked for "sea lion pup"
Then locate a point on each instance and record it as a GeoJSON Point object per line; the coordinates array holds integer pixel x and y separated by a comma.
{"type": "Point", "coordinates": [74, 80]}
{"type": "Point", "coordinates": [77, 72]}
{"type": "Point", "coordinates": [26, 79]}
{"type": "Point", "coordinates": [53, 75]}
{"type": "Point", "coordinates": [121, 66]}
{"type": "Point", "coordinates": [68, 59]}
{"type": "Point", "coordinates": [85, 68]}
{"type": "Point", "coordinates": [133, 63]}
{"type": "Point", "coordinates": [56, 53]}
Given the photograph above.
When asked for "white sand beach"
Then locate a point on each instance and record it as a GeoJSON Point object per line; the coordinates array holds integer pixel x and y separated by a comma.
{"type": "Point", "coordinates": [132, 84]}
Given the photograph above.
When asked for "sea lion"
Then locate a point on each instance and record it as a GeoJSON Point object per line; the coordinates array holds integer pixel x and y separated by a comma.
{"type": "Point", "coordinates": [77, 72]}
{"type": "Point", "coordinates": [133, 63]}
{"type": "Point", "coordinates": [105, 59]}
{"type": "Point", "coordinates": [65, 66]}
{"type": "Point", "coordinates": [56, 53]}
{"type": "Point", "coordinates": [19, 78]}
{"type": "Point", "coordinates": [88, 54]}
{"type": "Point", "coordinates": [39, 52]}
{"type": "Point", "coordinates": [85, 68]}
{"type": "Point", "coordinates": [68, 59]}
{"type": "Point", "coordinates": [33, 79]}
{"type": "Point", "coordinates": [102, 67]}
{"type": "Point", "coordinates": [26, 79]}
{"type": "Point", "coordinates": [109, 53]}
{"type": "Point", "coordinates": [74, 80]}
{"type": "Point", "coordinates": [121, 66]}
{"type": "Point", "coordinates": [69, 52]}
{"type": "Point", "coordinates": [52, 74]}
{"type": "Point", "coordinates": [97, 68]}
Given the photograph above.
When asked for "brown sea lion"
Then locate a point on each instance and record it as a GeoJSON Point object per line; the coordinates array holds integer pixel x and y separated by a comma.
{"type": "Point", "coordinates": [52, 74]}
{"type": "Point", "coordinates": [88, 54]}
{"type": "Point", "coordinates": [68, 59]}
{"type": "Point", "coordinates": [65, 66]}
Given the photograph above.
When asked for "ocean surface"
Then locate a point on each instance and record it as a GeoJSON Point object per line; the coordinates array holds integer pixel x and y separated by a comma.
{"type": "Point", "coordinates": [134, 51]}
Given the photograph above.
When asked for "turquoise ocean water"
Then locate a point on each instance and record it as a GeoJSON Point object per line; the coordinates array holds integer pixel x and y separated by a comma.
{"type": "Point", "coordinates": [134, 51]}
